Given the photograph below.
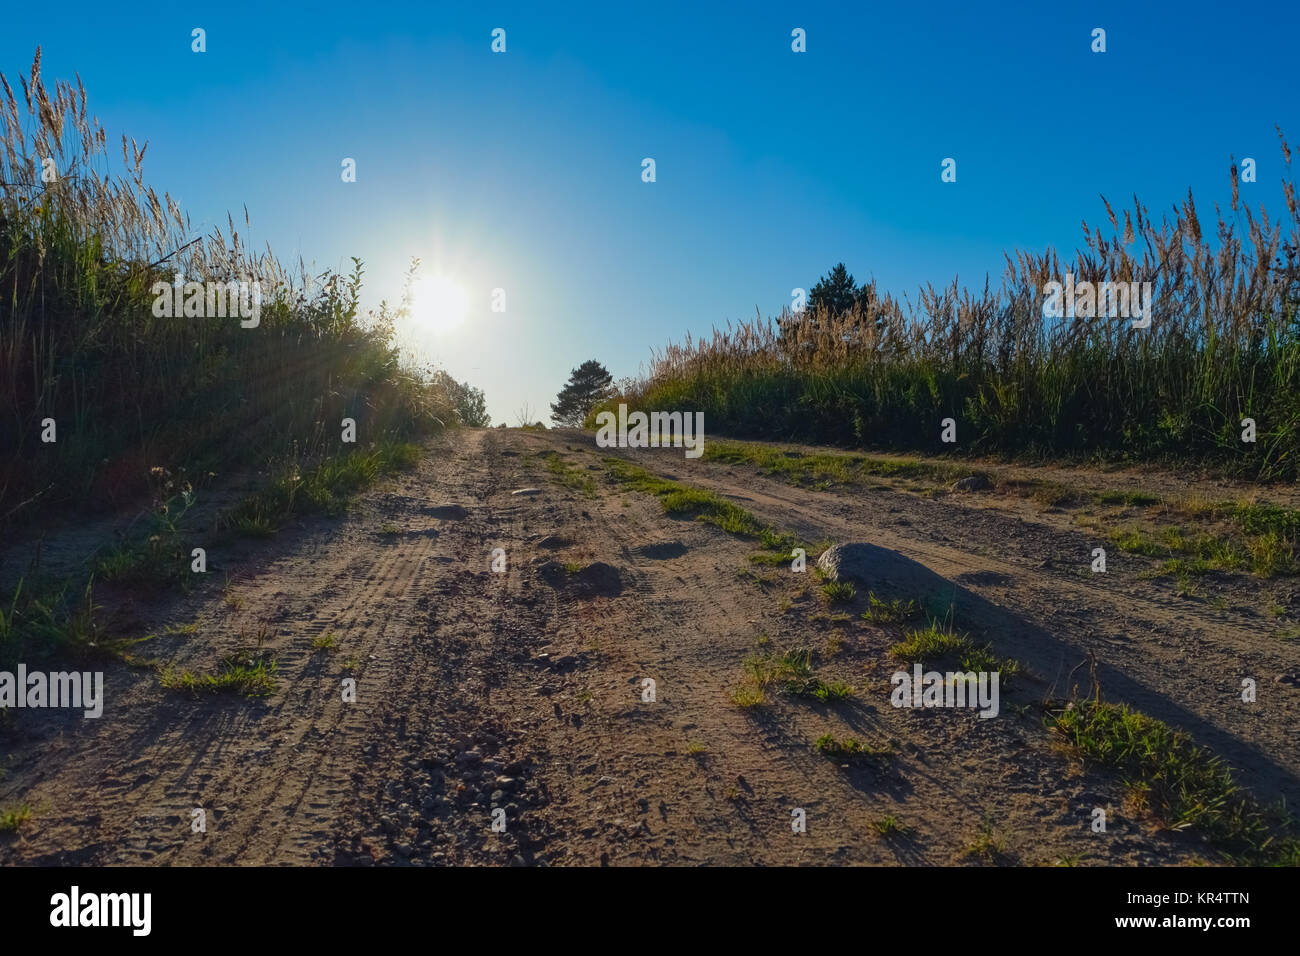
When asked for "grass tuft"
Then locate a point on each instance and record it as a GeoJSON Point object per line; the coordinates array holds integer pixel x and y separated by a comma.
{"type": "Point", "coordinates": [1178, 783]}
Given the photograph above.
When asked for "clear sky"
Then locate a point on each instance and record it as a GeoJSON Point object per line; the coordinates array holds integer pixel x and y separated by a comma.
{"type": "Point", "coordinates": [523, 170]}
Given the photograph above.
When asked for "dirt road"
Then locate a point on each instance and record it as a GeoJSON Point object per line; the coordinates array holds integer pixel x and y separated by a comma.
{"type": "Point", "coordinates": [524, 691]}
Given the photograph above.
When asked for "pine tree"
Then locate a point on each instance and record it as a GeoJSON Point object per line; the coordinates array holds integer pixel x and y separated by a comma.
{"type": "Point", "coordinates": [588, 384]}
{"type": "Point", "coordinates": [835, 291]}
{"type": "Point", "coordinates": [834, 295]}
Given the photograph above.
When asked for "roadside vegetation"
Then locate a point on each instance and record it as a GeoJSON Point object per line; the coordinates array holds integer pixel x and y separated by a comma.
{"type": "Point", "coordinates": [860, 368]}
{"type": "Point", "coordinates": [1171, 780]}
{"type": "Point", "coordinates": [1167, 779]}
{"type": "Point", "coordinates": [1192, 536]}
{"type": "Point", "coordinates": [706, 506]}
{"type": "Point", "coordinates": [108, 408]}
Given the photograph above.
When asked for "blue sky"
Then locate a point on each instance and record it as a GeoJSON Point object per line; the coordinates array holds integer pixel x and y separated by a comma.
{"type": "Point", "coordinates": [522, 170]}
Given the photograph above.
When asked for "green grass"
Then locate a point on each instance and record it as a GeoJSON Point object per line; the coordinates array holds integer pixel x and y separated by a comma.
{"type": "Point", "coordinates": [1137, 542]}
{"type": "Point", "coordinates": [773, 559]}
{"type": "Point", "coordinates": [826, 469]}
{"type": "Point", "coordinates": [1052, 494]}
{"type": "Point", "coordinates": [1139, 499]}
{"type": "Point", "coordinates": [791, 673]}
{"type": "Point", "coordinates": [1267, 553]}
{"type": "Point", "coordinates": [1180, 784]}
{"type": "Point", "coordinates": [894, 611]}
{"type": "Point", "coordinates": [158, 556]}
{"type": "Point", "coordinates": [830, 691]}
{"type": "Point", "coordinates": [12, 818]}
{"type": "Point", "coordinates": [569, 476]}
{"type": "Point", "coordinates": [889, 825]}
{"type": "Point", "coordinates": [988, 846]}
{"type": "Point", "coordinates": [748, 696]}
{"type": "Point", "coordinates": [849, 749]}
{"type": "Point", "coordinates": [932, 644]}
{"type": "Point", "coordinates": [248, 673]}
{"type": "Point", "coordinates": [325, 487]}
{"type": "Point", "coordinates": [325, 642]}
{"type": "Point", "coordinates": [1267, 541]}
{"type": "Point", "coordinates": [40, 618]}
{"type": "Point", "coordinates": [706, 506]}
{"type": "Point", "coordinates": [839, 592]}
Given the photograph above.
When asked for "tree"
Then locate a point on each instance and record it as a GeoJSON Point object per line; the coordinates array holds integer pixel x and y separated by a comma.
{"type": "Point", "coordinates": [589, 384]}
{"type": "Point", "coordinates": [468, 401]}
{"type": "Point", "coordinates": [833, 297]}
{"type": "Point", "coordinates": [835, 291]}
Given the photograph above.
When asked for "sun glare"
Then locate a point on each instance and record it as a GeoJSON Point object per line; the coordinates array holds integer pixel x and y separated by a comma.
{"type": "Point", "coordinates": [438, 304]}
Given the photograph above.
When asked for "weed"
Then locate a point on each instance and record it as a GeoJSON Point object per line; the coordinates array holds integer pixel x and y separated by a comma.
{"type": "Point", "coordinates": [889, 825]}
{"type": "Point", "coordinates": [1179, 783]}
{"type": "Point", "coordinates": [324, 642]}
{"type": "Point", "coordinates": [988, 846]}
{"type": "Point", "coordinates": [14, 817]}
{"type": "Point", "coordinates": [249, 673]}
{"type": "Point", "coordinates": [839, 592]}
{"type": "Point", "coordinates": [894, 611]}
{"type": "Point", "coordinates": [849, 749]}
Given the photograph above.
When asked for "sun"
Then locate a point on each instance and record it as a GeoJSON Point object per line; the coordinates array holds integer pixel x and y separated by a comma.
{"type": "Point", "coordinates": [438, 304]}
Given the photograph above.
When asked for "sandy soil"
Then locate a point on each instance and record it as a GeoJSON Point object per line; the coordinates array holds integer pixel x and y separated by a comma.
{"type": "Point", "coordinates": [523, 691]}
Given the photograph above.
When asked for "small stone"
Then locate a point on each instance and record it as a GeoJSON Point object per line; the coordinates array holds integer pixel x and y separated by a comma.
{"type": "Point", "coordinates": [888, 572]}
{"type": "Point", "coordinates": [972, 483]}
{"type": "Point", "coordinates": [448, 512]}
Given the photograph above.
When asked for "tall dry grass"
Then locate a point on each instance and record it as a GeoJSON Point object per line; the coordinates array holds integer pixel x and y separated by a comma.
{"type": "Point", "coordinates": [1224, 344]}
{"type": "Point", "coordinates": [129, 391]}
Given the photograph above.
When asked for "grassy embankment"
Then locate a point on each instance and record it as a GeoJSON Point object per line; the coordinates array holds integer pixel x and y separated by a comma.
{"type": "Point", "coordinates": [147, 412]}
